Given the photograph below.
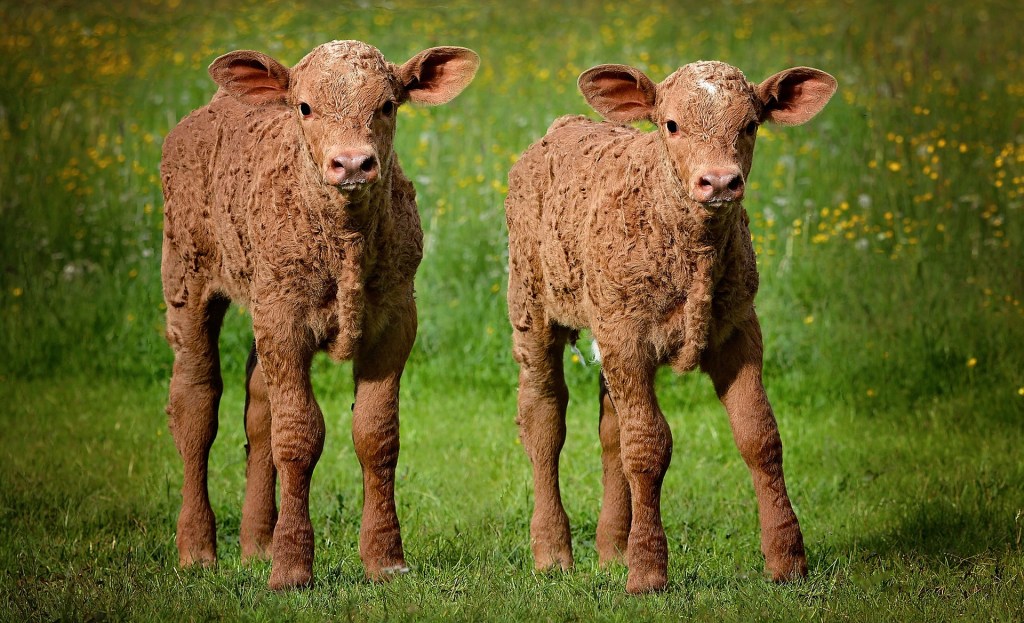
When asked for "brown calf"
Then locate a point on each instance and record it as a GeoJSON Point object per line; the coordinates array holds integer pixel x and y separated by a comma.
{"type": "Point", "coordinates": [641, 238]}
{"type": "Point", "coordinates": [284, 193]}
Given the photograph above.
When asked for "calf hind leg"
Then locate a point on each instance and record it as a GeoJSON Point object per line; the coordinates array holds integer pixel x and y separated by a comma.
{"type": "Point", "coordinates": [613, 522]}
{"type": "Point", "coordinates": [196, 387]}
{"type": "Point", "coordinates": [543, 397]}
{"type": "Point", "coordinates": [259, 511]}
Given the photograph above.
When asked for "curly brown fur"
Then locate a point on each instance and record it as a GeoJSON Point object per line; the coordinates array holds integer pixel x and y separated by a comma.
{"type": "Point", "coordinates": [284, 194]}
{"type": "Point", "coordinates": [642, 239]}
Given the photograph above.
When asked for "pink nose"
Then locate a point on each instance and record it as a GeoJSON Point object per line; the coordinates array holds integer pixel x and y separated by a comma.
{"type": "Point", "coordinates": [718, 185]}
{"type": "Point", "coordinates": [352, 167]}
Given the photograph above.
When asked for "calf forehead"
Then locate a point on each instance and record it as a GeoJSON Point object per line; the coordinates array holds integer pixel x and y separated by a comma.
{"type": "Point", "coordinates": [710, 90]}
{"type": "Point", "coordinates": [345, 75]}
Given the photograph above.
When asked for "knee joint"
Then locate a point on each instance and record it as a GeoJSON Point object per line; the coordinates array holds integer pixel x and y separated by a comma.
{"type": "Point", "coordinates": [761, 451]}
{"type": "Point", "coordinates": [296, 458]}
{"type": "Point", "coordinates": [651, 459]}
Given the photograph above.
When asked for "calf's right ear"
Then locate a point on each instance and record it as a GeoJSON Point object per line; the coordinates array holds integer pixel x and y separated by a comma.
{"type": "Point", "coordinates": [252, 77]}
{"type": "Point", "coordinates": [619, 92]}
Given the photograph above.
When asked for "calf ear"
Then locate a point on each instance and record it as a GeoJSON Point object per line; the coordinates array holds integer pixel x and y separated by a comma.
{"type": "Point", "coordinates": [252, 77]}
{"type": "Point", "coordinates": [794, 95]}
{"type": "Point", "coordinates": [619, 92]}
{"type": "Point", "coordinates": [437, 75]}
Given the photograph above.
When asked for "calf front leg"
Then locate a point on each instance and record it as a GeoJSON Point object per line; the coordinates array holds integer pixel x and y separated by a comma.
{"type": "Point", "coordinates": [196, 387]}
{"type": "Point", "coordinates": [735, 370]}
{"type": "Point", "coordinates": [378, 372]}
{"type": "Point", "coordinates": [543, 397]}
{"type": "Point", "coordinates": [297, 440]}
{"type": "Point", "coordinates": [646, 450]}
{"type": "Point", "coordinates": [259, 511]}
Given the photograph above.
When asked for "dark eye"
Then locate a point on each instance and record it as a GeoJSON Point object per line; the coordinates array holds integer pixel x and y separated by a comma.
{"type": "Point", "coordinates": [387, 109]}
{"type": "Point", "coordinates": [671, 126]}
{"type": "Point", "coordinates": [305, 109]}
{"type": "Point", "coordinates": [750, 129]}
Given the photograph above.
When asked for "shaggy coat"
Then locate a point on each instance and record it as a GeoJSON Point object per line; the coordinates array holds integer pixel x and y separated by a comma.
{"type": "Point", "coordinates": [641, 238]}
{"type": "Point", "coordinates": [284, 194]}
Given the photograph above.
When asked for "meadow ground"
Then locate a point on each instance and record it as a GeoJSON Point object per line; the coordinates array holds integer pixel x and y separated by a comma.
{"type": "Point", "coordinates": [889, 232]}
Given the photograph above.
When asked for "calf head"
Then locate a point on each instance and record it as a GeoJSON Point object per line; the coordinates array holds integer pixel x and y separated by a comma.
{"type": "Point", "coordinates": [345, 95]}
{"type": "Point", "coordinates": [707, 115]}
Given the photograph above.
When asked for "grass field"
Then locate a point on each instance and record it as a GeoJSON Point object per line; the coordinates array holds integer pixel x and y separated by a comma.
{"type": "Point", "coordinates": [890, 234]}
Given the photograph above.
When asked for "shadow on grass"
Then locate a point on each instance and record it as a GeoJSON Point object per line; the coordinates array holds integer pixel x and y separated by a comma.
{"type": "Point", "coordinates": [942, 531]}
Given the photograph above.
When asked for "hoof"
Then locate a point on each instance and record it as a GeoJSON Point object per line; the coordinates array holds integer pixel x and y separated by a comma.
{"type": "Point", "coordinates": [789, 570]}
{"type": "Point", "coordinates": [551, 542]}
{"type": "Point", "coordinates": [552, 558]}
{"type": "Point", "coordinates": [255, 552]}
{"type": "Point", "coordinates": [286, 579]}
{"type": "Point", "coordinates": [609, 555]}
{"type": "Point", "coordinates": [196, 550]}
{"type": "Point", "coordinates": [200, 559]}
{"type": "Point", "coordinates": [196, 540]}
{"type": "Point", "coordinates": [646, 582]}
{"type": "Point", "coordinates": [256, 544]}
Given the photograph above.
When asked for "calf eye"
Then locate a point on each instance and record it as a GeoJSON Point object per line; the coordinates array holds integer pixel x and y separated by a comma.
{"type": "Point", "coordinates": [751, 128]}
{"type": "Point", "coordinates": [388, 108]}
{"type": "Point", "coordinates": [671, 126]}
{"type": "Point", "coordinates": [305, 109]}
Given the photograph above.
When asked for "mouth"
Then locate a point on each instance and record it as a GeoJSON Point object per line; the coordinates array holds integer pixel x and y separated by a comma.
{"type": "Point", "coordinates": [350, 187]}
{"type": "Point", "coordinates": [718, 203]}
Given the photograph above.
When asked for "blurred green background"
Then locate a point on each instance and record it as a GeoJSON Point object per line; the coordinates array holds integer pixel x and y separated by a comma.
{"type": "Point", "coordinates": [889, 236]}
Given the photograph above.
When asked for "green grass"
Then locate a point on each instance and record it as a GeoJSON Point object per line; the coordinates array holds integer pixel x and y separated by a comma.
{"type": "Point", "coordinates": [889, 232]}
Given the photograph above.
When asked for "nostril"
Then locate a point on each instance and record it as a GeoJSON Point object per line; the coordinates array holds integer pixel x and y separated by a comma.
{"type": "Point", "coordinates": [705, 184]}
{"type": "Point", "coordinates": [735, 183]}
{"type": "Point", "coordinates": [369, 164]}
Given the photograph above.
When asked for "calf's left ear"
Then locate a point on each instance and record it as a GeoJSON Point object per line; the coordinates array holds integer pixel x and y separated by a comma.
{"type": "Point", "coordinates": [793, 96]}
{"type": "Point", "coordinates": [437, 75]}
